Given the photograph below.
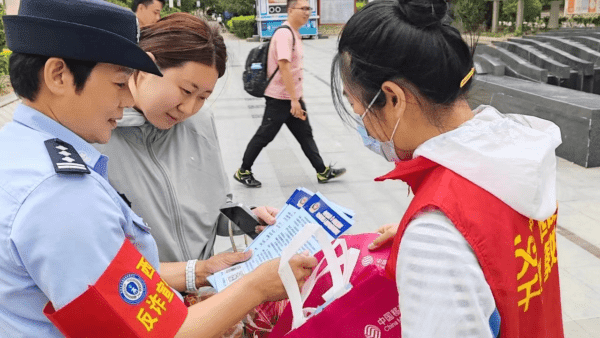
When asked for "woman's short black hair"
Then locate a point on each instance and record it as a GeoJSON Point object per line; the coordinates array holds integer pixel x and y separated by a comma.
{"type": "Point", "coordinates": [409, 42]}
{"type": "Point", "coordinates": [25, 70]}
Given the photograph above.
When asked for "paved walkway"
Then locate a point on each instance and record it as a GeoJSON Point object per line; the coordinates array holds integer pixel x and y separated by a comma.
{"type": "Point", "coordinates": [7, 105]}
{"type": "Point", "coordinates": [282, 167]}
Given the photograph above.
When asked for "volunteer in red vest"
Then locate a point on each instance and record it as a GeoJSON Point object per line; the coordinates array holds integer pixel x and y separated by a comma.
{"type": "Point", "coordinates": [475, 253]}
{"type": "Point", "coordinates": [75, 260]}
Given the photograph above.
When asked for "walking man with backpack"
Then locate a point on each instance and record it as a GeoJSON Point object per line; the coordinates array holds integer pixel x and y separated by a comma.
{"type": "Point", "coordinates": [284, 99]}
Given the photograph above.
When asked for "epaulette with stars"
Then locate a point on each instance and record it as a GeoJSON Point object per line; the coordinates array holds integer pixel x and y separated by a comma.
{"type": "Point", "coordinates": [65, 158]}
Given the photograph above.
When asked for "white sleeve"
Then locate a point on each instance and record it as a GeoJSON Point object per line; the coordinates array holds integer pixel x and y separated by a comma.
{"type": "Point", "coordinates": [443, 292]}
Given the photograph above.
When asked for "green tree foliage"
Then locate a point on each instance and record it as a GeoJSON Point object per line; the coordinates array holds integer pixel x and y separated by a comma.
{"type": "Point", "coordinates": [166, 10]}
{"type": "Point", "coordinates": [239, 7]}
{"type": "Point", "coordinates": [533, 10]}
{"type": "Point", "coordinates": [4, 53]}
{"type": "Point", "coordinates": [186, 5]}
{"type": "Point", "coordinates": [2, 35]}
{"type": "Point", "coordinates": [120, 3]}
{"type": "Point", "coordinates": [471, 13]}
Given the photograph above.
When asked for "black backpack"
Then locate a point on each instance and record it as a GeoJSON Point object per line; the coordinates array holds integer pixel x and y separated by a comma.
{"type": "Point", "coordinates": [255, 74]}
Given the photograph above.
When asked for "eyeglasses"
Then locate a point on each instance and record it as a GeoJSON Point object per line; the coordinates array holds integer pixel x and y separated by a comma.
{"type": "Point", "coordinates": [306, 9]}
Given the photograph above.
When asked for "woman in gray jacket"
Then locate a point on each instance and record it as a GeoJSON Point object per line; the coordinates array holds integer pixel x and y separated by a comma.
{"type": "Point", "coordinates": [165, 156]}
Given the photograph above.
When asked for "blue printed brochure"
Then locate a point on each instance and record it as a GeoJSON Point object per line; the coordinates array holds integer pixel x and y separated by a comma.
{"type": "Point", "coordinates": [302, 208]}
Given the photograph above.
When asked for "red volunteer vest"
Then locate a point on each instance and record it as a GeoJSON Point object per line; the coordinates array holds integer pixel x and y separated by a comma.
{"type": "Point", "coordinates": [517, 254]}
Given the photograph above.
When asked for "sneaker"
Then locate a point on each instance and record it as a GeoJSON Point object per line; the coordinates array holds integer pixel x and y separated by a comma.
{"type": "Point", "coordinates": [246, 178]}
{"type": "Point", "coordinates": [329, 174]}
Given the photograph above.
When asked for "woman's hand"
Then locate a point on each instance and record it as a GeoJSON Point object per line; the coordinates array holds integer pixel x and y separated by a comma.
{"type": "Point", "coordinates": [261, 285]}
{"type": "Point", "coordinates": [217, 263]}
{"type": "Point", "coordinates": [387, 233]}
{"type": "Point", "coordinates": [266, 215]}
{"type": "Point", "coordinates": [267, 280]}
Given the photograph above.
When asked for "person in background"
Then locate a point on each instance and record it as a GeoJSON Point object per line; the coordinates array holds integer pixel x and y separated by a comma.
{"type": "Point", "coordinates": [475, 253]}
{"type": "Point", "coordinates": [285, 104]}
{"type": "Point", "coordinates": [75, 260]}
{"type": "Point", "coordinates": [147, 11]}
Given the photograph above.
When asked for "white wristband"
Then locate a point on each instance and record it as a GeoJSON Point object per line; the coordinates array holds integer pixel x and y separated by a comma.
{"type": "Point", "coordinates": [190, 276]}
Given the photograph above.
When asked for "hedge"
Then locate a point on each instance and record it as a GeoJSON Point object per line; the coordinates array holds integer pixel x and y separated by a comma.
{"type": "Point", "coordinates": [242, 26]}
{"type": "Point", "coordinates": [585, 20]}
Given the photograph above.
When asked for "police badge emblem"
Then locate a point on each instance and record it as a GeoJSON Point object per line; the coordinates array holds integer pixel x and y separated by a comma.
{"type": "Point", "coordinates": [132, 289]}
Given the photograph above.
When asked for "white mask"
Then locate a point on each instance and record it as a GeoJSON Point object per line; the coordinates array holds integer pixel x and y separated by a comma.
{"type": "Point", "coordinates": [383, 148]}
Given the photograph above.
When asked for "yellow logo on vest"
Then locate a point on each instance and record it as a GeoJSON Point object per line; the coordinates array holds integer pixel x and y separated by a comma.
{"type": "Point", "coordinates": [536, 264]}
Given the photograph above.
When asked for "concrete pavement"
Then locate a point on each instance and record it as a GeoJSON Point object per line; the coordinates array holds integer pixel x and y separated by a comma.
{"type": "Point", "coordinates": [282, 167]}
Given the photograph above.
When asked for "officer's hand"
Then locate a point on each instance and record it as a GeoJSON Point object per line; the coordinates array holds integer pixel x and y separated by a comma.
{"type": "Point", "coordinates": [217, 263]}
{"type": "Point", "coordinates": [297, 110]}
{"type": "Point", "coordinates": [266, 215]}
{"type": "Point", "coordinates": [387, 233]}
{"type": "Point", "coordinates": [267, 280]}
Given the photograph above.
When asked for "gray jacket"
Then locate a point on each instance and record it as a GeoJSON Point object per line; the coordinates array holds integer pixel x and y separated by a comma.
{"type": "Point", "coordinates": [174, 179]}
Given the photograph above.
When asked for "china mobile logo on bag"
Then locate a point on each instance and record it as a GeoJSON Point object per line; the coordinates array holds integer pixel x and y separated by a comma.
{"type": "Point", "coordinates": [372, 331]}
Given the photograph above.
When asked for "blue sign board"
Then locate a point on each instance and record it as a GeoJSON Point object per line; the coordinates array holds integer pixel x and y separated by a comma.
{"type": "Point", "coordinates": [271, 14]}
{"type": "Point", "coordinates": [267, 28]}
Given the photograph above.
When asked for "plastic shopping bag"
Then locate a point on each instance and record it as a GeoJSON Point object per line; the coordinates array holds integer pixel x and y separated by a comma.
{"type": "Point", "coordinates": [260, 321]}
{"type": "Point", "coordinates": [366, 306]}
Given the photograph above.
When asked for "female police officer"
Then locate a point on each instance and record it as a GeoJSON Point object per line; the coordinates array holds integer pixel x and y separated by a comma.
{"type": "Point", "coordinates": [475, 253]}
{"type": "Point", "coordinates": [71, 248]}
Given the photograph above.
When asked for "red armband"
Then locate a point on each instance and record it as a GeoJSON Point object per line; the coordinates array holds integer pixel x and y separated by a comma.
{"type": "Point", "coordinates": [128, 300]}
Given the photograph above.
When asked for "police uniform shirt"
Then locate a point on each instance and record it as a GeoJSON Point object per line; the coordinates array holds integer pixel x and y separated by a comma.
{"type": "Point", "coordinates": [58, 231]}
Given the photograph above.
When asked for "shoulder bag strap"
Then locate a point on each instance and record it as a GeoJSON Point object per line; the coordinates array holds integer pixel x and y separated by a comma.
{"type": "Point", "coordinates": [293, 49]}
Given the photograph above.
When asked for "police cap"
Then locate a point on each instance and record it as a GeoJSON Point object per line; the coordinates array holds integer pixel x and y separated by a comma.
{"type": "Point", "coordinates": [86, 30]}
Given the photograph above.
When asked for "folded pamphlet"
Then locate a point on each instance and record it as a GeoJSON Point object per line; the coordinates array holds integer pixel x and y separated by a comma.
{"type": "Point", "coordinates": [303, 207]}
